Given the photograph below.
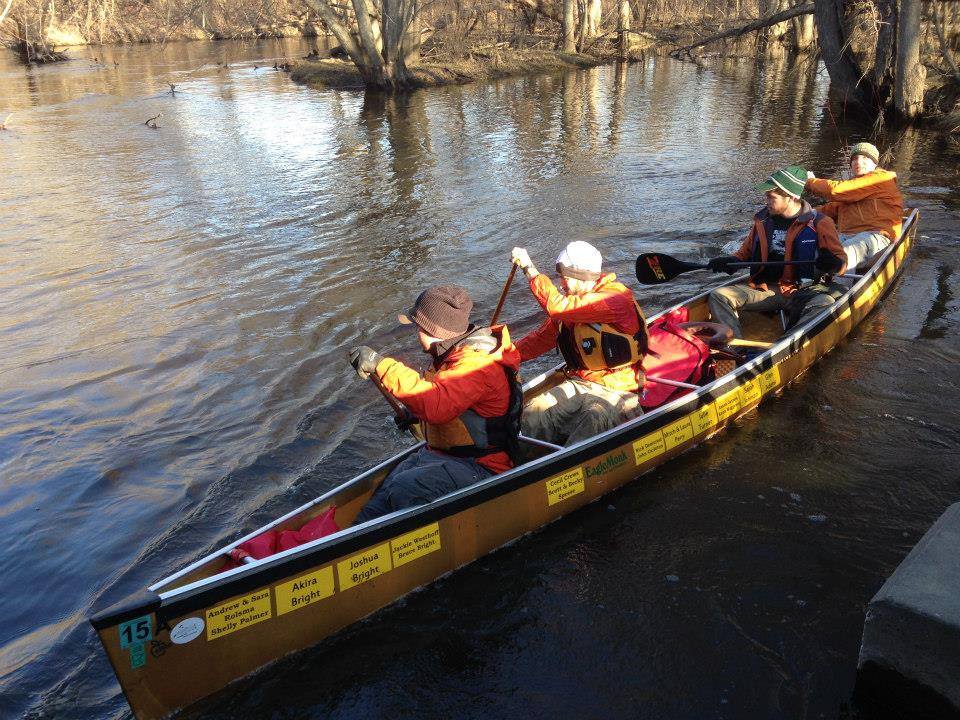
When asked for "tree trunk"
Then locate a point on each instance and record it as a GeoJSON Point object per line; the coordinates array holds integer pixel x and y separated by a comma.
{"type": "Point", "coordinates": [774, 33]}
{"type": "Point", "coordinates": [339, 30]}
{"type": "Point", "coordinates": [623, 28]}
{"type": "Point", "coordinates": [399, 43]}
{"type": "Point", "coordinates": [371, 41]}
{"type": "Point", "coordinates": [845, 74]}
{"type": "Point", "coordinates": [383, 47]}
{"type": "Point", "coordinates": [804, 33]}
{"type": "Point", "coordinates": [569, 26]}
{"type": "Point", "coordinates": [412, 38]}
{"type": "Point", "coordinates": [594, 13]}
{"type": "Point", "coordinates": [5, 11]}
{"type": "Point", "coordinates": [582, 29]}
{"type": "Point", "coordinates": [910, 73]}
{"type": "Point", "coordinates": [749, 27]}
{"type": "Point", "coordinates": [882, 74]}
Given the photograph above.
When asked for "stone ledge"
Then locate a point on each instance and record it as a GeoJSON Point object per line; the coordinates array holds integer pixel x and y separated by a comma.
{"type": "Point", "coordinates": [912, 625]}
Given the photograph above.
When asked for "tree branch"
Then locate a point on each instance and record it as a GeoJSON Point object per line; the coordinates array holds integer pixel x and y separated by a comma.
{"type": "Point", "coordinates": [944, 46]}
{"type": "Point", "coordinates": [339, 30]}
{"type": "Point", "coordinates": [751, 27]}
{"type": "Point", "coordinates": [6, 10]}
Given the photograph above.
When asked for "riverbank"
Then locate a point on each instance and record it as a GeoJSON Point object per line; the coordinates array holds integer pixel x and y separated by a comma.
{"type": "Point", "coordinates": [478, 66]}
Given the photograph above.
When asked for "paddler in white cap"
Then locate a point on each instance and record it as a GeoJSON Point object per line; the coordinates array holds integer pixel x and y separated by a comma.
{"type": "Point", "coordinates": [601, 333]}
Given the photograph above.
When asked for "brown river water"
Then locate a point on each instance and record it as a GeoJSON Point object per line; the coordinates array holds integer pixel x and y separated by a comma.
{"type": "Point", "coordinates": [175, 310]}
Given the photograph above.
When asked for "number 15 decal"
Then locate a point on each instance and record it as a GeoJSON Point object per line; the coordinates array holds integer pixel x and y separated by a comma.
{"type": "Point", "coordinates": [136, 631]}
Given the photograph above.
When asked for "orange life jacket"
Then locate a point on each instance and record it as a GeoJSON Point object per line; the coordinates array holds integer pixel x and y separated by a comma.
{"type": "Point", "coordinates": [472, 435]}
{"type": "Point", "coordinates": [600, 346]}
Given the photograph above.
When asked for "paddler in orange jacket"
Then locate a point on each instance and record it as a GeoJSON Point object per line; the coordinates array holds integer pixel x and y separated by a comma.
{"type": "Point", "coordinates": [868, 208]}
{"type": "Point", "coordinates": [468, 403]}
{"type": "Point", "coordinates": [602, 335]}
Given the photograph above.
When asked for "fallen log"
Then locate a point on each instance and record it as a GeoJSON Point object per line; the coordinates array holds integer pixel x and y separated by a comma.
{"type": "Point", "coordinates": [750, 27]}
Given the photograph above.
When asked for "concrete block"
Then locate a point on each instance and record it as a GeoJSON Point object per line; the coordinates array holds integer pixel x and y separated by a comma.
{"type": "Point", "coordinates": [913, 623]}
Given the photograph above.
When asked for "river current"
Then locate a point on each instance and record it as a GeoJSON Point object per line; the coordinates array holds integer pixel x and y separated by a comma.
{"type": "Point", "coordinates": [175, 310]}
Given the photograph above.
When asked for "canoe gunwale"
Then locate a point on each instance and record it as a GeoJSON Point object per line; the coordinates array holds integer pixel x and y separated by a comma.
{"type": "Point", "coordinates": [207, 591]}
{"type": "Point", "coordinates": [156, 587]}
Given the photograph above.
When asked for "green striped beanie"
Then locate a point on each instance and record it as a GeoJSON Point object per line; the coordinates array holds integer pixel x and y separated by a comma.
{"type": "Point", "coordinates": [790, 180]}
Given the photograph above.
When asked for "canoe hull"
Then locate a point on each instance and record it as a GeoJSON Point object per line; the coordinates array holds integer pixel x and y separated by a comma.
{"type": "Point", "coordinates": [173, 648]}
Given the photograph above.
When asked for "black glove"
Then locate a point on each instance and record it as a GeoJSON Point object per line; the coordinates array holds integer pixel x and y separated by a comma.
{"type": "Point", "coordinates": [827, 264]}
{"type": "Point", "coordinates": [722, 264]}
{"type": "Point", "coordinates": [365, 360]}
{"type": "Point", "coordinates": [406, 421]}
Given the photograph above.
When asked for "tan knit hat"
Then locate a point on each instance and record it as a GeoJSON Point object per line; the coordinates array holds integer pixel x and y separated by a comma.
{"type": "Point", "coordinates": [867, 150]}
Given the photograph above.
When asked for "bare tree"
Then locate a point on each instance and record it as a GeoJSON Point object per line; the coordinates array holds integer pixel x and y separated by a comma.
{"type": "Point", "coordinates": [804, 32]}
{"type": "Point", "coordinates": [846, 76]}
{"type": "Point", "coordinates": [910, 73]}
{"type": "Point", "coordinates": [381, 56]}
{"type": "Point", "coordinates": [882, 75]}
{"type": "Point", "coordinates": [623, 27]}
{"type": "Point", "coordinates": [6, 11]}
{"type": "Point", "coordinates": [569, 26]}
{"type": "Point", "coordinates": [946, 51]}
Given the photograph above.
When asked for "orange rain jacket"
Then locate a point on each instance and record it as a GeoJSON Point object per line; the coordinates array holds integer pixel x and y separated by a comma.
{"type": "Point", "coordinates": [609, 302]}
{"type": "Point", "coordinates": [467, 379]}
{"type": "Point", "coordinates": [869, 202]}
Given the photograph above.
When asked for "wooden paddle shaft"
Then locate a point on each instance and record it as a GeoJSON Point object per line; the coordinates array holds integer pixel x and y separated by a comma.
{"type": "Point", "coordinates": [397, 406]}
{"type": "Point", "coordinates": [738, 342]}
{"type": "Point", "coordinates": [503, 295]}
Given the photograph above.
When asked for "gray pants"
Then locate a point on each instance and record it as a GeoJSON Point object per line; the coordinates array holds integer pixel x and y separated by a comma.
{"type": "Point", "coordinates": [423, 476]}
{"type": "Point", "coordinates": [862, 246]}
{"type": "Point", "coordinates": [725, 302]}
{"type": "Point", "coordinates": [811, 299]}
{"type": "Point", "coordinates": [575, 410]}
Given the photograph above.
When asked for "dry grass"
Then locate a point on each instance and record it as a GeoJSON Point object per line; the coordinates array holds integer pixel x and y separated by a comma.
{"type": "Point", "coordinates": [326, 73]}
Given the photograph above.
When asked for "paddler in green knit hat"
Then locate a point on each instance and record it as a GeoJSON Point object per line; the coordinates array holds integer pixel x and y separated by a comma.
{"type": "Point", "coordinates": [786, 228]}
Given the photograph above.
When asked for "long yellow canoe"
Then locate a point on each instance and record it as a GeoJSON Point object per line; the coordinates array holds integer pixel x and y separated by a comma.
{"type": "Point", "coordinates": [192, 633]}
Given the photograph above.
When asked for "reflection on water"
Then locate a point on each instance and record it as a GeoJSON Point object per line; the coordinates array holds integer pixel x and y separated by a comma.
{"type": "Point", "coordinates": [175, 307]}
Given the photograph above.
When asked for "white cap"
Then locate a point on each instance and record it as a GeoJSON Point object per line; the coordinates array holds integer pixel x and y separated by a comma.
{"type": "Point", "coordinates": [580, 255]}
